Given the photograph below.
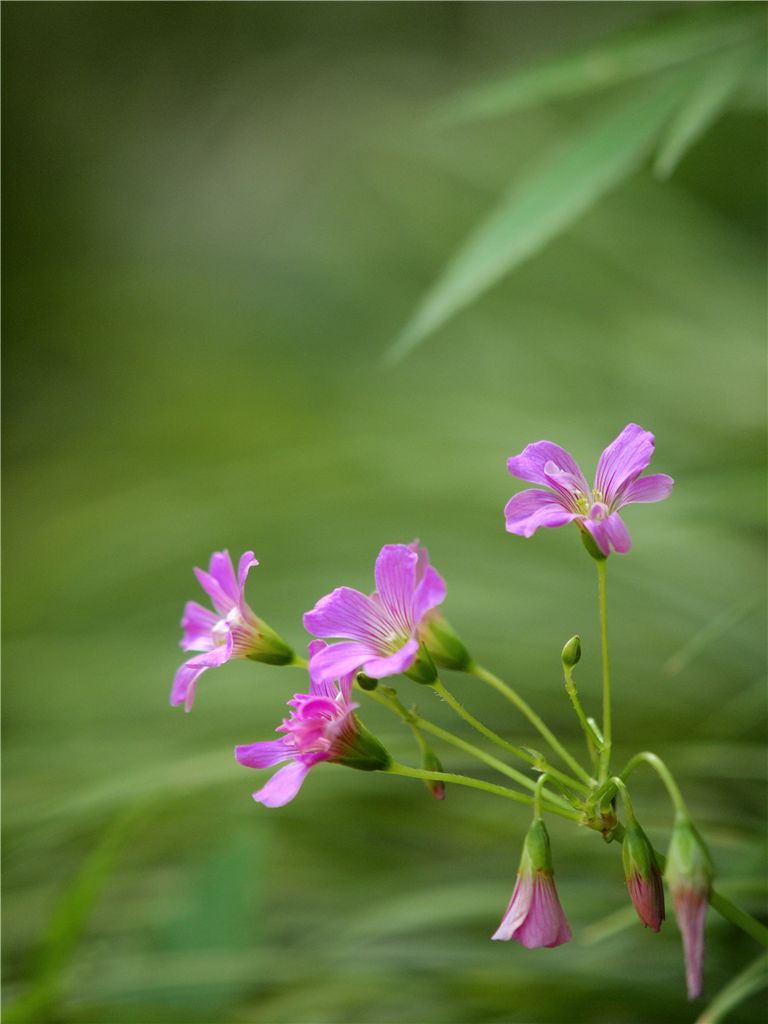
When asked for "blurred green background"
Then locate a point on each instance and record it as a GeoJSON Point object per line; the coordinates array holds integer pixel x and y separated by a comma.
{"type": "Point", "coordinates": [217, 217]}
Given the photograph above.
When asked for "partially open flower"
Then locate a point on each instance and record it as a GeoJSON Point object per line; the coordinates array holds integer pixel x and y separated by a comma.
{"type": "Point", "coordinates": [643, 876]}
{"type": "Point", "coordinates": [689, 877]}
{"type": "Point", "coordinates": [381, 631]}
{"type": "Point", "coordinates": [321, 727]}
{"type": "Point", "coordinates": [534, 916]}
{"type": "Point", "coordinates": [570, 498]}
{"type": "Point", "coordinates": [232, 631]}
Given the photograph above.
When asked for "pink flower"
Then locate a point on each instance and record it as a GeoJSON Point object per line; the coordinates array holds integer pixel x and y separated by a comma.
{"type": "Point", "coordinates": [380, 631]}
{"type": "Point", "coordinates": [534, 916]}
{"type": "Point", "coordinates": [232, 631]}
{"type": "Point", "coordinates": [321, 727]}
{"type": "Point", "coordinates": [570, 498]}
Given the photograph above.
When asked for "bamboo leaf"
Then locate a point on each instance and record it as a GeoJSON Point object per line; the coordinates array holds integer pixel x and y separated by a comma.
{"type": "Point", "coordinates": [546, 203]}
{"type": "Point", "coordinates": [721, 79]}
{"type": "Point", "coordinates": [626, 55]}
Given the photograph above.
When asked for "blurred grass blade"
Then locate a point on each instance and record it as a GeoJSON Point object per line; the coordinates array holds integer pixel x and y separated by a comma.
{"type": "Point", "coordinates": [547, 202]}
{"type": "Point", "coordinates": [630, 54]}
{"type": "Point", "coordinates": [722, 77]}
{"type": "Point", "coordinates": [606, 927]}
{"type": "Point", "coordinates": [751, 980]}
{"type": "Point", "coordinates": [69, 920]}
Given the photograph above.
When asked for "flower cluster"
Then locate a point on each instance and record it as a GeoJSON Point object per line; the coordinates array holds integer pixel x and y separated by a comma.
{"type": "Point", "coordinates": [398, 629]}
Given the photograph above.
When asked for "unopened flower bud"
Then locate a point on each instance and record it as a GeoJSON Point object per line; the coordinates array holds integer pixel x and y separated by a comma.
{"type": "Point", "coordinates": [430, 762]}
{"type": "Point", "coordinates": [572, 652]}
{"type": "Point", "coordinates": [689, 875]}
{"type": "Point", "coordinates": [423, 668]}
{"type": "Point", "coordinates": [643, 876]}
{"type": "Point", "coordinates": [443, 644]}
{"type": "Point", "coordinates": [366, 682]}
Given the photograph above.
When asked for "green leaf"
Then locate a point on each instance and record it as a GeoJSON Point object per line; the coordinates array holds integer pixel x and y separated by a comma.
{"type": "Point", "coordinates": [632, 53]}
{"type": "Point", "coordinates": [721, 79]}
{"type": "Point", "coordinates": [610, 148]}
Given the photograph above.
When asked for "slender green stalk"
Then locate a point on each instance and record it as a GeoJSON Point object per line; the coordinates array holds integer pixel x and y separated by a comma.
{"type": "Point", "coordinates": [664, 774]}
{"type": "Point", "coordinates": [493, 680]}
{"type": "Point", "coordinates": [465, 780]}
{"type": "Point", "coordinates": [537, 796]}
{"type": "Point", "coordinates": [388, 699]}
{"type": "Point", "coordinates": [605, 753]}
{"type": "Point", "coordinates": [298, 662]}
{"type": "Point", "coordinates": [501, 742]}
{"type": "Point", "coordinates": [626, 799]}
{"type": "Point", "coordinates": [573, 694]}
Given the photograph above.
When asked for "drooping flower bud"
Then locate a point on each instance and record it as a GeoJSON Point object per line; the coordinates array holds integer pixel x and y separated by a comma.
{"type": "Point", "coordinates": [572, 652]}
{"type": "Point", "coordinates": [534, 916]}
{"type": "Point", "coordinates": [643, 876]}
{"type": "Point", "coordinates": [443, 643]}
{"type": "Point", "coordinates": [689, 875]}
{"type": "Point", "coordinates": [430, 762]}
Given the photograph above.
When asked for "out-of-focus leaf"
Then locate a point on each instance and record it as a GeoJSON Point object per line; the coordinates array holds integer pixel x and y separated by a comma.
{"type": "Point", "coordinates": [547, 202]}
{"type": "Point", "coordinates": [720, 80]}
{"type": "Point", "coordinates": [626, 55]}
{"type": "Point", "coordinates": [752, 979]}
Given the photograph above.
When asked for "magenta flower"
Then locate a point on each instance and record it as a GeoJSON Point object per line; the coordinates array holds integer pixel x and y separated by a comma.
{"type": "Point", "coordinates": [232, 631]}
{"type": "Point", "coordinates": [321, 727]}
{"type": "Point", "coordinates": [570, 498]}
{"type": "Point", "coordinates": [380, 631]}
{"type": "Point", "coordinates": [534, 916]}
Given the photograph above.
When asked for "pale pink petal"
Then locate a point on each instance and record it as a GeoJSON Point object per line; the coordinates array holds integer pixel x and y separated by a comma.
{"type": "Point", "coordinates": [655, 487]}
{"type": "Point", "coordinates": [339, 660]}
{"type": "Point", "coordinates": [623, 461]}
{"type": "Point", "coordinates": [247, 562]}
{"type": "Point", "coordinates": [529, 464]}
{"type": "Point", "coordinates": [345, 685]}
{"type": "Point", "coordinates": [516, 911]}
{"type": "Point", "coordinates": [349, 614]}
{"type": "Point", "coordinates": [283, 786]}
{"type": "Point", "coordinates": [527, 511]}
{"type": "Point", "coordinates": [545, 924]}
{"type": "Point", "coordinates": [222, 602]}
{"type": "Point", "coordinates": [319, 687]}
{"type": "Point", "coordinates": [430, 592]}
{"type": "Point", "coordinates": [400, 661]}
{"type": "Point", "coordinates": [396, 582]}
{"type": "Point", "coordinates": [197, 623]}
{"type": "Point", "coordinates": [691, 911]}
{"type": "Point", "coordinates": [610, 533]}
{"type": "Point", "coordinates": [262, 755]}
{"type": "Point", "coordinates": [185, 681]}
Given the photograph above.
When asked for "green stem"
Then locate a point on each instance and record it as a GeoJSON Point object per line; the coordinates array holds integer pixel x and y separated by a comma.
{"type": "Point", "coordinates": [589, 736]}
{"type": "Point", "coordinates": [465, 780]}
{"type": "Point", "coordinates": [388, 699]}
{"type": "Point", "coordinates": [493, 680]}
{"type": "Point", "coordinates": [619, 784]}
{"type": "Point", "coordinates": [664, 774]}
{"type": "Point", "coordinates": [605, 753]}
{"type": "Point", "coordinates": [298, 662]}
{"type": "Point", "coordinates": [501, 742]}
{"type": "Point", "coordinates": [537, 796]}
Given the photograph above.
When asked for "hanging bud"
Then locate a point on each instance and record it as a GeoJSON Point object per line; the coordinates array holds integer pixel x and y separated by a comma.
{"type": "Point", "coordinates": [423, 668]}
{"type": "Point", "coordinates": [430, 762]}
{"type": "Point", "coordinates": [534, 916]}
{"type": "Point", "coordinates": [443, 643]}
{"type": "Point", "coordinates": [689, 877]}
{"type": "Point", "coordinates": [643, 876]}
{"type": "Point", "coordinates": [572, 652]}
{"type": "Point", "coordinates": [365, 682]}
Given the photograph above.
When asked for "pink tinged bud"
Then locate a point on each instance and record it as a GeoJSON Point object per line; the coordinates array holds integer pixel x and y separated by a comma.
{"type": "Point", "coordinates": [689, 877]}
{"type": "Point", "coordinates": [430, 762]}
{"type": "Point", "coordinates": [643, 877]}
{"type": "Point", "coordinates": [534, 916]}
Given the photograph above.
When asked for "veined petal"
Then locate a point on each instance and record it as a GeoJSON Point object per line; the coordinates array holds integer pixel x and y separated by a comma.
{"type": "Point", "coordinates": [529, 464]}
{"type": "Point", "coordinates": [318, 687]}
{"type": "Point", "coordinates": [262, 755]}
{"type": "Point", "coordinates": [348, 613]}
{"type": "Point", "coordinates": [516, 911]}
{"type": "Point", "coordinates": [400, 661]}
{"type": "Point", "coordinates": [222, 602]}
{"type": "Point", "coordinates": [430, 592]}
{"type": "Point", "coordinates": [185, 681]}
{"type": "Point", "coordinates": [396, 582]}
{"type": "Point", "coordinates": [283, 786]}
{"type": "Point", "coordinates": [623, 461]}
{"type": "Point", "coordinates": [338, 660]}
{"type": "Point", "coordinates": [545, 924]}
{"type": "Point", "coordinates": [610, 533]}
{"type": "Point", "coordinates": [655, 487]}
{"type": "Point", "coordinates": [247, 562]}
{"type": "Point", "coordinates": [197, 623]}
{"type": "Point", "coordinates": [527, 511]}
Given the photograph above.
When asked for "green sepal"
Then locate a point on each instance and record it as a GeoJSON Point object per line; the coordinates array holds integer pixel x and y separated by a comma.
{"type": "Point", "coordinates": [271, 649]}
{"type": "Point", "coordinates": [423, 668]}
{"type": "Point", "coordinates": [590, 544]}
{"type": "Point", "coordinates": [689, 864]}
{"type": "Point", "coordinates": [537, 853]}
{"type": "Point", "coordinates": [571, 654]}
{"type": "Point", "coordinates": [363, 751]}
{"type": "Point", "coordinates": [443, 643]}
{"type": "Point", "coordinates": [637, 854]}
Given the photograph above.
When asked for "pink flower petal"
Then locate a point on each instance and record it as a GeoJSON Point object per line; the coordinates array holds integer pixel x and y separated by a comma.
{"type": "Point", "coordinates": [623, 461]}
{"type": "Point", "coordinates": [655, 487]}
{"type": "Point", "coordinates": [610, 533]}
{"type": "Point", "coordinates": [396, 582]}
{"type": "Point", "coordinates": [349, 614]}
{"type": "Point", "coordinates": [430, 592]}
{"type": "Point", "coordinates": [185, 681]}
{"type": "Point", "coordinates": [283, 786]}
{"type": "Point", "coordinates": [197, 623]}
{"type": "Point", "coordinates": [527, 511]}
{"type": "Point", "coordinates": [529, 464]}
{"type": "Point", "coordinates": [247, 562]}
{"type": "Point", "coordinates": [400, 661]}
{"type": "Point", "coordinates": [339, 660]}
{"type": "Point", "coordinates": [262, 755]}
